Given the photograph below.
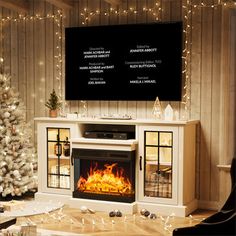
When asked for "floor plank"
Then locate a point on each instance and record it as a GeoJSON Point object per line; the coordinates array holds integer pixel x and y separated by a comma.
{"type": "Point", "coordinates": [98, 224]}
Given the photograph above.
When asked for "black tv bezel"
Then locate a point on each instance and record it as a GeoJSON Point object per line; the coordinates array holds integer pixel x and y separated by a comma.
{"type": "Point", "coordinates": [119, 97]}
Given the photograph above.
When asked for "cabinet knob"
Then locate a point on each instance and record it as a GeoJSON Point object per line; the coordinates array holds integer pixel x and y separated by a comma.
{"type": "Point", "coordinates": [140, 163]}
{"type": "Point", "coordinates": [72, 159]}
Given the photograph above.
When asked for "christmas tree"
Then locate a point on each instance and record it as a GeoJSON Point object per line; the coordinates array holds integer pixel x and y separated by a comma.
{"type": "Point", "coordinates": [17, 153]}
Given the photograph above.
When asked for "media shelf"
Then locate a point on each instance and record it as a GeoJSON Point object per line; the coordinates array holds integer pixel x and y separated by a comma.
{"type": "Point", "coordinates": [164, 161]}
{"type": "Point", "coordinates": [109, 131]}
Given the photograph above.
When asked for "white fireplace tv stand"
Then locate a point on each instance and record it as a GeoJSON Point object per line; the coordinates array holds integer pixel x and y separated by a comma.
{"type": "Point", "coordinates": [153, 167]}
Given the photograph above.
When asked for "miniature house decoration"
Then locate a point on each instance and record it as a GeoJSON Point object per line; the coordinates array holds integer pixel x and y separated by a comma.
{"type": "Point", "coordinates": [168, 113]}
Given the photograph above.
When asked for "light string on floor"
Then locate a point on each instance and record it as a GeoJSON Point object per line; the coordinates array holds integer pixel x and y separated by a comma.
{"type": "Point", "coordinates": [82, 221]}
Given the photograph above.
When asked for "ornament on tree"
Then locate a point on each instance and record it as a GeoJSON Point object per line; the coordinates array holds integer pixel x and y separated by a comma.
{"type": "Point", "coordinates": [4, 96]}
{"type": "Point", "coordinates": [7, 114]}
{"type": "Point", "coordinates": [13, 129]}
{"type": "Point", "coordinates": [17, 156]}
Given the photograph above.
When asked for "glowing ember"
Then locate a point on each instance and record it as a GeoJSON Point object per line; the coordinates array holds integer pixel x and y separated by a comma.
{"type": "Point", "coordinates": [109, 180]}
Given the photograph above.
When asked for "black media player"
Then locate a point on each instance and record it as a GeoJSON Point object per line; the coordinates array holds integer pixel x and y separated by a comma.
{"type": "Point", "coordinates": [109, 135]}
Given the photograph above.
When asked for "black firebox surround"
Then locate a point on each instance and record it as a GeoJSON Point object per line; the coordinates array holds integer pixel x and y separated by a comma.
{"type": "Point", "coordinates": [103, 155]}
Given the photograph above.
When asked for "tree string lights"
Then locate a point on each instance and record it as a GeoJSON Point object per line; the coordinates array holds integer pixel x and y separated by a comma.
{"type": "Point", "coordinates": [17, 156]}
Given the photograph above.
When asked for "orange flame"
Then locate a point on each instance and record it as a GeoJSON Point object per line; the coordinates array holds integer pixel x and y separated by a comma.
{"type": "Point", "coordinates": [110, 180]}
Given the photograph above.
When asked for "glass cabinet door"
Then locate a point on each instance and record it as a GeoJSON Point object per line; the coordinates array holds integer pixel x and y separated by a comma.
{"type": "Point", "coordinates": [58, 158]}
{"type": "Point", "coordinates": [158, 156]}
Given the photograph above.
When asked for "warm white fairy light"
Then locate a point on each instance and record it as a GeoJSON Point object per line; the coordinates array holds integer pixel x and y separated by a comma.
{"type": "Point", "coordinates": [86, 15]}
{"type": "Point", "coordinates": [187, 13]}
{"type": "Point", "coordinates": [155, 11]}
{"type": "Point", "coordinates": [58, 55]}
{"type": "Point", "coordinates": [57, 18]}
{"type": "Point", "coordinates": [21, 18]}
{"type": "Point", "coordinates": [186, 53]}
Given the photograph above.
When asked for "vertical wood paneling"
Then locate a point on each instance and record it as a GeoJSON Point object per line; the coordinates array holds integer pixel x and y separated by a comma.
{"type": "Point", "coordinates": [30, 87]}
{"type": "Point", "coordinates": [65, 23]}
{"type": "Point", "coordinates": [1, 38]}
{"type": "Point", "coordinates": [131, 7]}
{"type": "Point", "coordinates": [104, 17]}
{"type": "Point", "coordinates": [176, 10]}
{"type": "Point", "coordinates": [94, 106]}
{"type": "Point", "coordinates": [29, 50]}
{"type": "Point", "coordinates": [227, 101]}
{"type": "Point", "coordinates": [75, 20]}
{"type": "Point", "coordinates": [21, 61]}
{"type": "Point", "coordinates": [142, 15]}
{"type": "Point", "coordinates": [232, 88]}
{"type": "Point", "coordinates": [120, 106]}
{"type": "Point", "coordinates": [175, 15]}
{"type": "Point", "coordinates": [186, 34]}
{"type": "Point", "coordinates": [122, 19]}
{"type": "Point", "coordinates": [113, 17]}
{"type": "Point", "coordinates": [109, 107]}
{"type": "Point", "coordinates": [14, 53]}
{"type": "Point", "coordinates": [7, 42]}
{"type": "Point", "coordinates": [232, 119]}
{"type": "Point", "coordinates": [104, 20]}
{"type": "Point", "coordinates": [132, 19]}
{"type": "Point", "coordinates": [57, 80]}
{"type": "Point", "coordinates": [206, 103]}
{"type": "Point", "coordinates": [49, 53]}
{"type": "Point", "coordinates": [196, 80]}
{"type": "Point", "coordinates": [39, 59]}
{"type": "Point", "coordinates": [141, 18]}
{"type": "Point", "coordinates": [166, 10]}
{"type": "Point", "coordinates": [2, 41]}
{"type": "Point", "coordinates": [150, 4]}
{"type": "Point", "coordinates": [215, 118]}
{"type": "Point", "coordinates": [165, 16]}
{"type": "Point", "coordinates": [196, 64]}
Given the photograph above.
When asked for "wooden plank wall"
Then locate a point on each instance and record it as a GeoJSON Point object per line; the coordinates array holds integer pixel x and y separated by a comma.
{"type": "Point", "coordinates": [29, 49]}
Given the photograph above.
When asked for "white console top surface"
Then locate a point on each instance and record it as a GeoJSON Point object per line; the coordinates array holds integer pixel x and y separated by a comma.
{"type": "Point", "coordinates": [89, 120]}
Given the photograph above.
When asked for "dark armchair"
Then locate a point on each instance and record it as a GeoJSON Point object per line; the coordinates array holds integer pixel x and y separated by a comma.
{"type": "Point", "coordinates": [222, 222]}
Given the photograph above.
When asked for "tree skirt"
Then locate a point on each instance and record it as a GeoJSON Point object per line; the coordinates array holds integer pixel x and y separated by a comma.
{"type": "Point", "coordinates": [30, 208]}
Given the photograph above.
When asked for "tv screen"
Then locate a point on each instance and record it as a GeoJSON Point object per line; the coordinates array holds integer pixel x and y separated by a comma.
{"type": "Point", "coordinates": [124, 62]}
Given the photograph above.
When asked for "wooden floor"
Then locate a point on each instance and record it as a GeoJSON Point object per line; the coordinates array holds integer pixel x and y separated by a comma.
{"type": "Point", "coordinates": [74, 221]}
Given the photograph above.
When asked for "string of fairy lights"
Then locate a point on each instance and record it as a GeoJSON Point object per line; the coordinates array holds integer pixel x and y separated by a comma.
{"type": "Point", "coordinates": [58, 22]}
{"type": "Point", "coordinates": [155, 12]}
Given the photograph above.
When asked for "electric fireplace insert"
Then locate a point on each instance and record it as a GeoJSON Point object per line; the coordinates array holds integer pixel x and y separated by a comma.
{"type": "Point", "coordinates": [107, 175]}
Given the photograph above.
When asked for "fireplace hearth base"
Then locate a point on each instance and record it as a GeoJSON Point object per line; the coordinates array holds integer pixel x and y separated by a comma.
{"type": "Point", "coordinates": [105, 206]}
{"type": "Point", "coordinates": [94, 196]}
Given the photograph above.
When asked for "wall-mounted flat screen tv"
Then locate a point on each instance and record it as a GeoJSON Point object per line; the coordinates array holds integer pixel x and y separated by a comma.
{"type": "Point", "coordinates": [124, 62]}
